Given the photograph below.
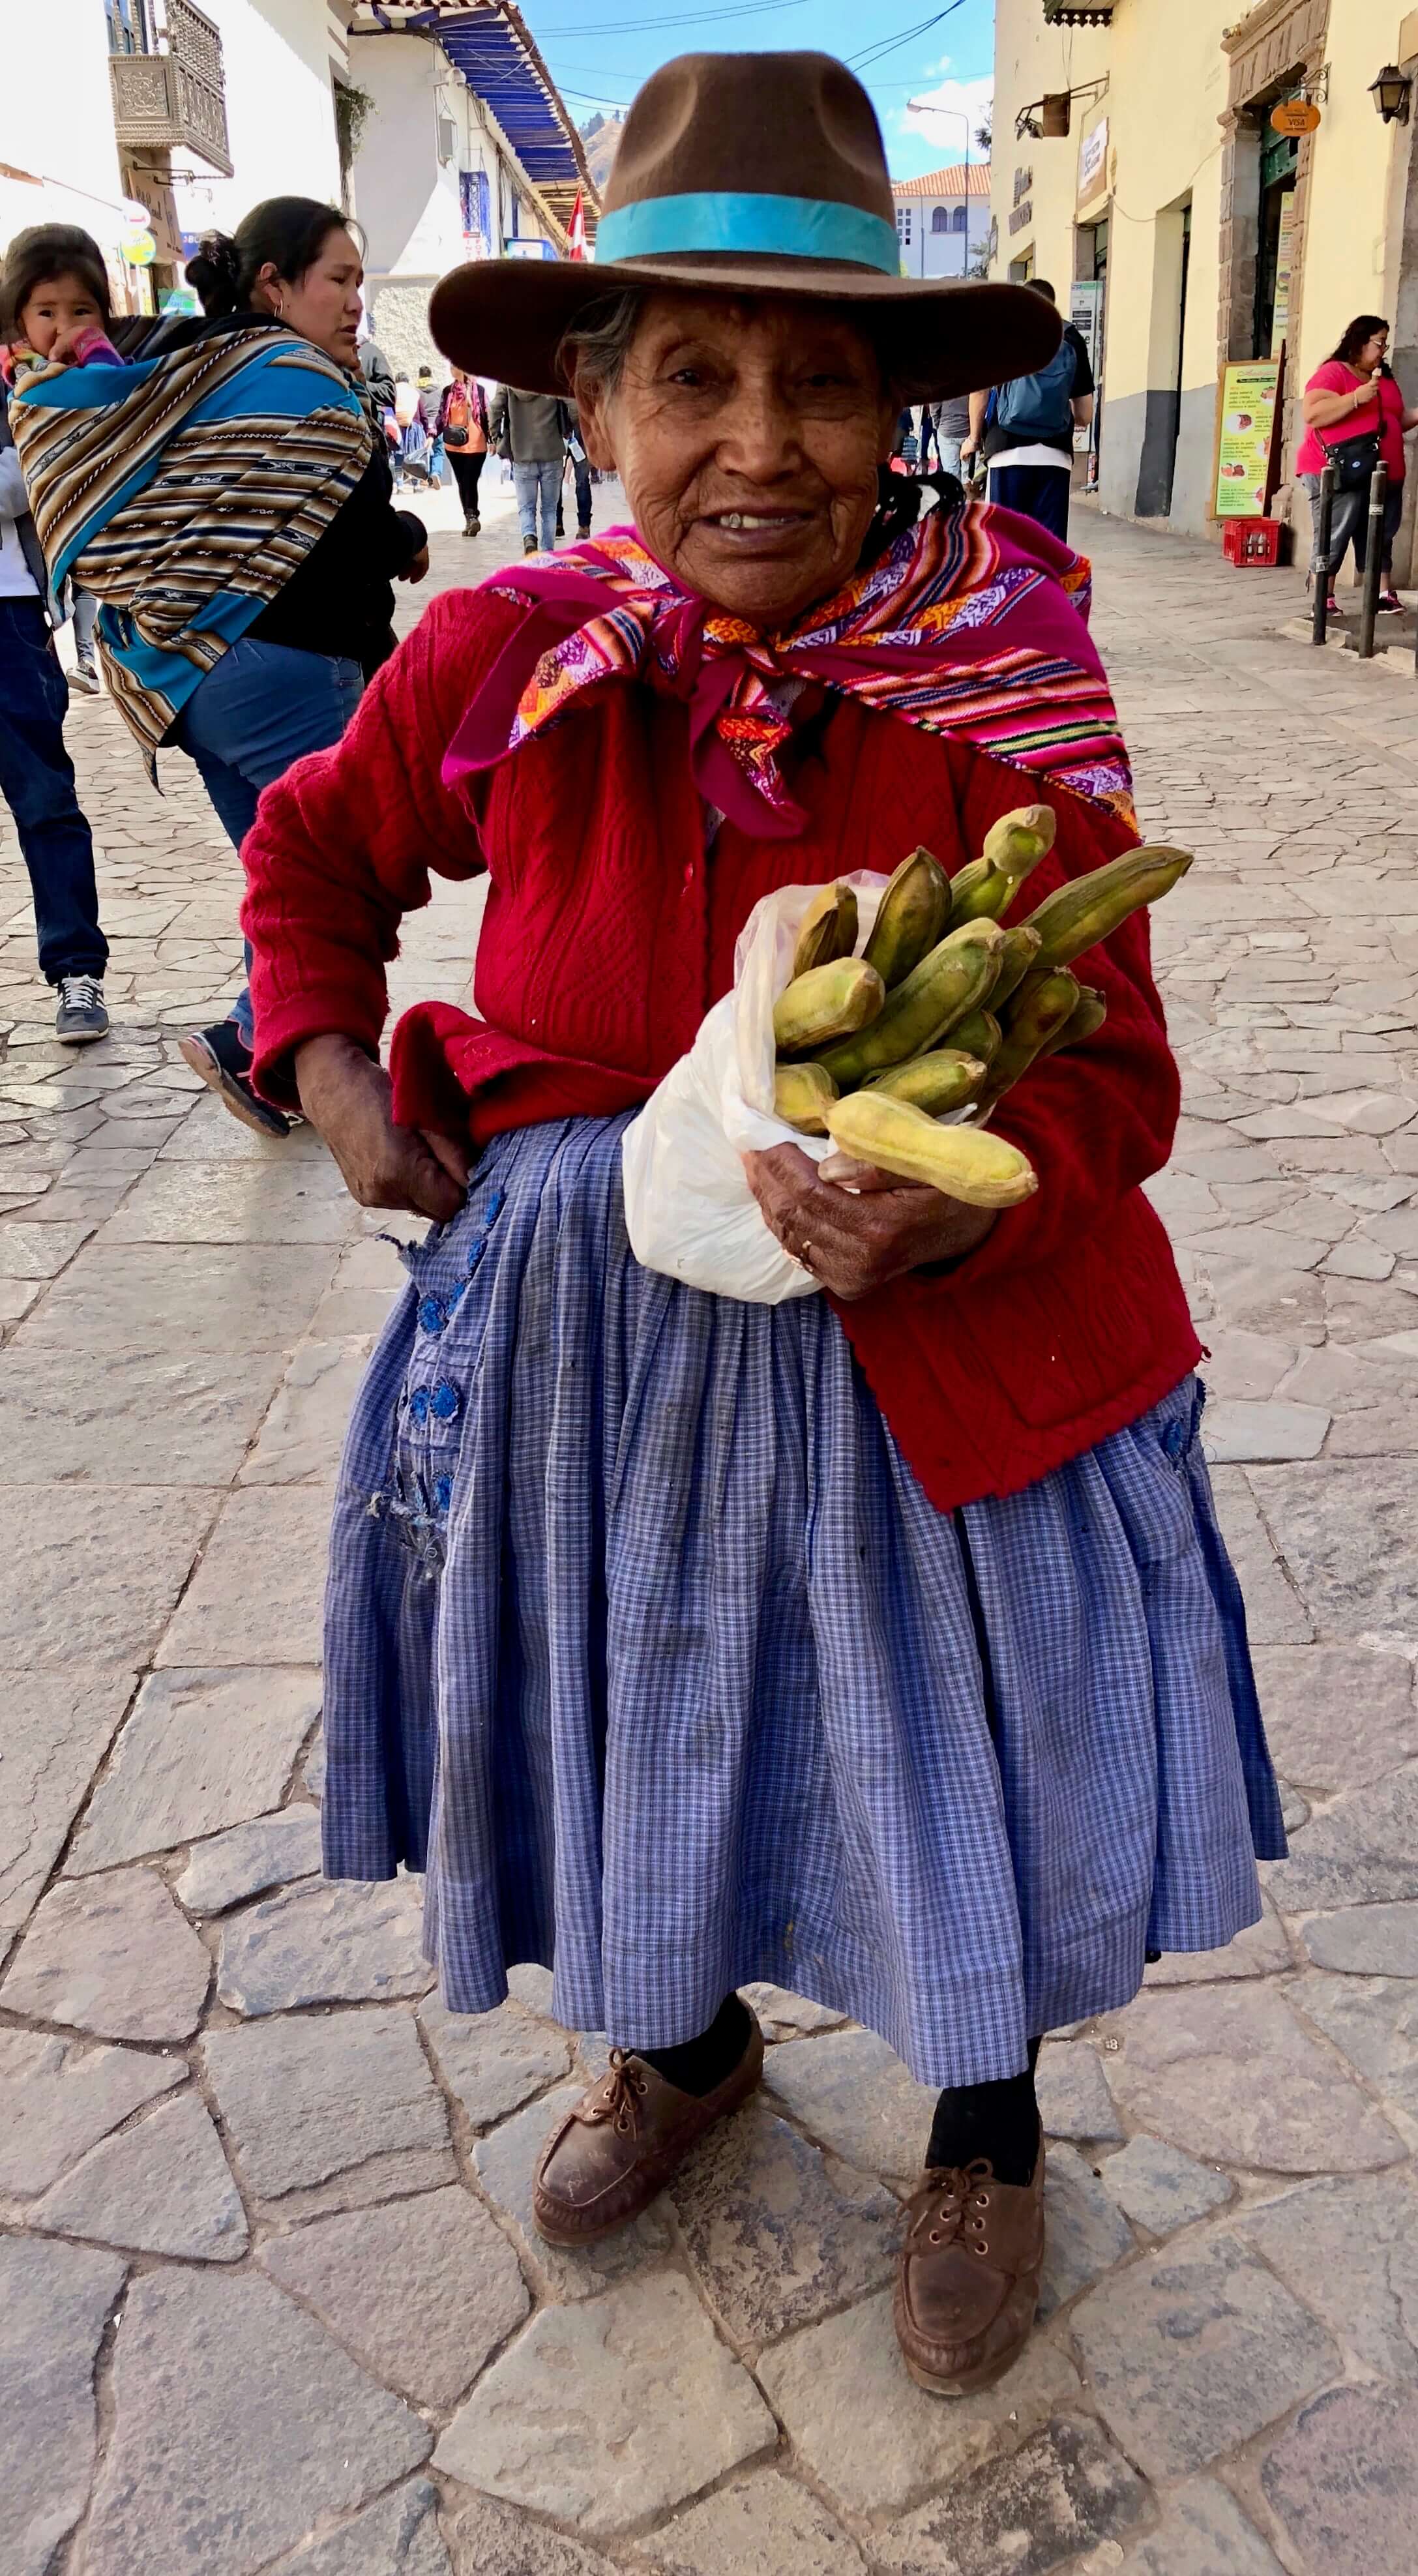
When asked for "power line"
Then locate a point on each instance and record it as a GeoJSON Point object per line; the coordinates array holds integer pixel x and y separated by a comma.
{"type": "Point", "coordinates": [683, 18]}
{"type": "Point", "coordinates": [906, 35]}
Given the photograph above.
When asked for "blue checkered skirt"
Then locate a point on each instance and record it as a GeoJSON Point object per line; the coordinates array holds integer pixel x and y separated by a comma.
{"type": "Point", "coordinates": [642, 1639]}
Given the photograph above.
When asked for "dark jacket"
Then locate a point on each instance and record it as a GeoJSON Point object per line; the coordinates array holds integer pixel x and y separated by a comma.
{"type": "Point", "coordinates": [530, 428]}
{"type": "Point", "coordinates": [377, 374]}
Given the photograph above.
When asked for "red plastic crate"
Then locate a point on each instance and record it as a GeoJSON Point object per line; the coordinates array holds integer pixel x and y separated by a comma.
{"type": "Point", "coordinates": [1251, 541]}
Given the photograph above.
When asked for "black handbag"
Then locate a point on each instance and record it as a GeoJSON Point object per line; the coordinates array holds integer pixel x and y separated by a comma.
{"type": "Point", "coordinates": [1353, 459]}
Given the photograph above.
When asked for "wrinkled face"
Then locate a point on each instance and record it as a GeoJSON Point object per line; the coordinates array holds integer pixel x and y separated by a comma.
{"type": "Point", "coordinates": [748, 437]}
{"type": "Point", "coordinates": [324, 305]}
{"type": "Point", "coordinates": [56, 305]}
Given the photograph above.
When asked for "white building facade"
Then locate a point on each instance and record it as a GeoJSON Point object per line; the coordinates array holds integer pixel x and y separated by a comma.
{"type": "Point", "coordinates": [437, 126]}
{"type": "Point", "coordinates": [437, 177]}
{"type": "Point", "coordinates": [108, 107]}
{"type": "Point", "coordinates": [943, 220]}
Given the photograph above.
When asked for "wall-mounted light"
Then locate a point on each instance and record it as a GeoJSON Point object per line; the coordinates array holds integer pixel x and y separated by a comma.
{"type": "Point", "coordinates": [1391, 93]}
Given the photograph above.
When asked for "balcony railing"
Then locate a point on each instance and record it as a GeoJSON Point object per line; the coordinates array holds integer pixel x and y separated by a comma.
{"type": "Point", "coordinates": [1076, 13]}
{"type": "Point", "coordinates": [176, 98]}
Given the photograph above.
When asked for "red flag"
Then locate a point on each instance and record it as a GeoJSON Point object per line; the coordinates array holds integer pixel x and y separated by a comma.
{"type": "Point", "coordinates": [576, 229]}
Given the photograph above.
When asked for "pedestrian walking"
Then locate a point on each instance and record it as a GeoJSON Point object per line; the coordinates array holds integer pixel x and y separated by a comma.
{"type": "Point", "coordinates": [53, 285]}
{"type": "Point", "coordinates": [248, 577]}
{"type": "Point", "coordinates": [950, 427]}
{"type": "Point", "coordinates": [880, 1643]}
{"type": "Point", "coordinates": [376, 370]}
{"type": "Point", "coordinates": [530, 430]}
{"type": "Point", "coordinates": [1026, 429]}
{"type": "Point", "coordinates": [430, 400]}
{"type": "Point", "coordinates": [1354, 414]}
{"type": "Point", "coordinates": [463, 428]}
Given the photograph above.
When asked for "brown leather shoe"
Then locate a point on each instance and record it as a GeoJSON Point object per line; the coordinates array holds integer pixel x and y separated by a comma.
{"type": "Point", "coordinates": [619, 2145]}
{"type": "Point", "coordinates": [969, 2276]}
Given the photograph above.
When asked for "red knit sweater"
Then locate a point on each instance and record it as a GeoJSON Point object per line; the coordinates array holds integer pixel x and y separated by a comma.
{"type": "Point", "coordinates": [609, 932]}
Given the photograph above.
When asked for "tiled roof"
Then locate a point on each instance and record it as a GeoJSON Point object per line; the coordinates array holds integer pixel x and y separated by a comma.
{"type": "Point", "coordinates": [962, 179]}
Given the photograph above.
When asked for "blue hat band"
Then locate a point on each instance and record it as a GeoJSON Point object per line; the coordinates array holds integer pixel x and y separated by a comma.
{"type": "Point", "coordinates": [725, 220]}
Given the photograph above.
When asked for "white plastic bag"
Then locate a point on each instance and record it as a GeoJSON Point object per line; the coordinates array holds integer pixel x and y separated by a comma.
{"type": "Point", "coordinates": [688, 1208]}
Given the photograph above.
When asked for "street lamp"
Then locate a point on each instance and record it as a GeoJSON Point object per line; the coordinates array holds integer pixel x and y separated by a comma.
{"type": "Point", "coordinates": [1390, 94]}
{"type": "Point", "coordinates": [927, 107]}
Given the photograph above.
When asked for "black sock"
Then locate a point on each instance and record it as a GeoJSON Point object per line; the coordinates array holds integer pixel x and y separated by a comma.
{"type": "Point", "coordinates": [698, 2065]}
{"type": "Point", "coordinates": [1000, 2121]}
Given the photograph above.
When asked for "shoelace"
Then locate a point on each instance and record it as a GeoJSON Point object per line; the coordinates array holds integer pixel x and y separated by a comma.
{"type": "Point", "coordinates": [620, 2096]}
{"type": "Point", "coordinates": [959, 2207]}
{"type": "Point", "coordinates": [80, 992]}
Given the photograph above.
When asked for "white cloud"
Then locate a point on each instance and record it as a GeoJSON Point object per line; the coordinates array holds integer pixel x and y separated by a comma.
{"type": "Point", "coordinates": [972, 100]}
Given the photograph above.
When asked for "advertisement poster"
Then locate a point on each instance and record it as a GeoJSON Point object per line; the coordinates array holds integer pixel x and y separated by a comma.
{"type": "Point", "coordinates": [1245, 434]}
{"type": "Point", "coordinates": [1093, 161]}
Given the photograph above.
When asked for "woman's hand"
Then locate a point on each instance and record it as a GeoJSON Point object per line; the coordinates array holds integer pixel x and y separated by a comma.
{"type": "Point", "coordinates": [856, 1240]}
{"type": "Point", "coordinates": [416, 568]}
{"type": "Point", "coordinates": [346, 1098]}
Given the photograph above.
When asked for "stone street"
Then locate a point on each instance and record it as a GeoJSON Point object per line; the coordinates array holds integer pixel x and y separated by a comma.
{"type": "Point", "coordinates": [270, 2297]}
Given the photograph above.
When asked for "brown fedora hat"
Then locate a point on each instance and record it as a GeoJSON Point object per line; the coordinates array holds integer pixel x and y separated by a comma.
{"type": "Point", "coordinates": [748, 173]}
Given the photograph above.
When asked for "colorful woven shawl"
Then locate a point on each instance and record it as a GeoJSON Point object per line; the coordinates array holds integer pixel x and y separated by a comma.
{"type": "Point", "coordinates": [183, 491]}
{"type": "Point", "coordinates": [971, 624]}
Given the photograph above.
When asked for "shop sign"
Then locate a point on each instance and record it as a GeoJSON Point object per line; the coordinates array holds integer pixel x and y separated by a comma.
{"type": "Point", "coordinates": [1295, 116]}
{"type": "Point", "coordinates": [1247, 413]}
{"type": "Point", "coordinates": [1093, 159]}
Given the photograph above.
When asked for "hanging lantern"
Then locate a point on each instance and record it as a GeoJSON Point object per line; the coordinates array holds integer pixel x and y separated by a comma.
{"type": "Point", "coordinates": [1390, 94]}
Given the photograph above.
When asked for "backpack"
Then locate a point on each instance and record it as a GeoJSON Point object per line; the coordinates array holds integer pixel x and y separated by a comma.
{"type": "Point", "coordinates": [1040, 406]}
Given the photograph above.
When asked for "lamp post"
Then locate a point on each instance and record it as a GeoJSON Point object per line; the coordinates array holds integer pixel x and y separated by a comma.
{"type": "Point", "coordinates": [927, 107]}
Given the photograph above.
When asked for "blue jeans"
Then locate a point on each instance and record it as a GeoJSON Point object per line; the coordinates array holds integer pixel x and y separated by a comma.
{"type": "Point", "coordinates": [261, 707]}
{"type": "Point", "coordinates": [37, 783]}
{"type": "Point", "coordinates": [538, 482]}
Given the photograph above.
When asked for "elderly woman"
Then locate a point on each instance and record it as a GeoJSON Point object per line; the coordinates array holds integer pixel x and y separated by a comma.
{"type": "Point", "coordinates": [880, 1644]}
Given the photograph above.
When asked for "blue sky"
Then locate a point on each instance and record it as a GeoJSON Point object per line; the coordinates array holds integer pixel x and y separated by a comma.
{"type": "Point", "coordinates": [600, 50]}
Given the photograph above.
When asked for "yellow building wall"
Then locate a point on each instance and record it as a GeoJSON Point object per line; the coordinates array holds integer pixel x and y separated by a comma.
{"type": "Point", "coordinates": [1167, 87]}
{"type": "Point", "coordinates": [1357, 181]}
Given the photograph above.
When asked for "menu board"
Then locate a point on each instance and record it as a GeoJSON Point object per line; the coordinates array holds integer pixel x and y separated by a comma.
{"type": "Point", "coordinates": [1245, 437]}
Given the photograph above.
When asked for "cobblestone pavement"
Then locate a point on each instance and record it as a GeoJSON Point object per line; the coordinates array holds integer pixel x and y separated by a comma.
{"type": "Point", "coordinates": [270, 2294]}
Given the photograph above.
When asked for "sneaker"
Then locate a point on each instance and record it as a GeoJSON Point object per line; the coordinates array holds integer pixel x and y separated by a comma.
{"type": "Point", "coordinates": [1389, 600]}
{"type": "Point", "coordinates": [85, 677]}
{"type": "Point", "coordinates": [223, 1059]}
{"type": "Point", "coordinates": [1332, 607]}
{"type": "Point", "coordinates": [472, 527]}
{"type": "Point", "coordinates": [529, 545]}
{"type": "Point", "coordinates": [81, 1016]}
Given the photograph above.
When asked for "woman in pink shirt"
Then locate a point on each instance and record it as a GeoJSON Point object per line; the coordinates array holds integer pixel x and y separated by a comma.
{"type": "Point", "coordinates": [1353, 396]}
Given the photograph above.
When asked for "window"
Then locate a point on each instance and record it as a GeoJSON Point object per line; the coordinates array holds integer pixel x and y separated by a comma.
{"type": "Point", "coordinates": [903, 226]}
{"type": "Point", "coordinates": [958, 220]}
{"type": "Point", "coordinates": [940, 219]}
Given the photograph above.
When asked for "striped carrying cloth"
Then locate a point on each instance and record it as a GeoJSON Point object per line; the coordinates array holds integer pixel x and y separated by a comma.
{"type": "Point", "coordinates": [972, 623]}
{"type": "Point", "coordinates": [183, 491]}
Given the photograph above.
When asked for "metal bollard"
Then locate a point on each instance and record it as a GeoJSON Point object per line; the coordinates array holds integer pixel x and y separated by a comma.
{"type": "Point", "coordinates": [1320, 618]}
{"type": "Point", "coordinates": [1373, 561]}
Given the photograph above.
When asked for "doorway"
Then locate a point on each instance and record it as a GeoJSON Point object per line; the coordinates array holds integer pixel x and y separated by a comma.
{"type": "Point", "coordinates": [1279, 167]}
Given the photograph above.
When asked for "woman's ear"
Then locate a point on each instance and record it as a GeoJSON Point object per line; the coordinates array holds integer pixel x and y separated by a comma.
{"type": "Point", "coordinates": [592, 409]}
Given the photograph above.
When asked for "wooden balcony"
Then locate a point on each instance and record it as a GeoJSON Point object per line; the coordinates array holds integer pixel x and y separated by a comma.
{"type": "Point", "coordinates": [174, 100]}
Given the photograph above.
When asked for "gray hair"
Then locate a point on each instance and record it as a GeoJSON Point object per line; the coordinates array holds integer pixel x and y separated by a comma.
{"type": "Point", "coordinates": [599, 343]}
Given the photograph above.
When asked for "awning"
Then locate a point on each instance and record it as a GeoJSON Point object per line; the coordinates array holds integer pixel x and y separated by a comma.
{"type": "Point", "coordinates": [494, 50]}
